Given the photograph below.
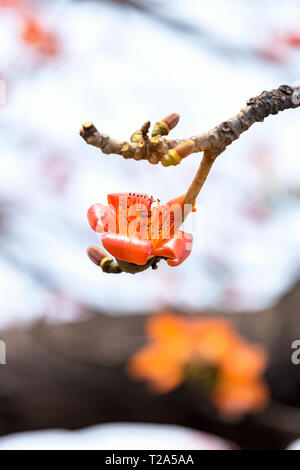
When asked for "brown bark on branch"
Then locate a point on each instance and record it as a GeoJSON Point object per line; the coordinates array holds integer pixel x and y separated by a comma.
{"type": "Point", "coordinates": [74, 375]}
{"type": "Point", "coordinates": [213, 142]}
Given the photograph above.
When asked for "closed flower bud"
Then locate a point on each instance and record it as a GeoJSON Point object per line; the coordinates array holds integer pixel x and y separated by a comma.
{"type": "Point", "coordinates": [137, 136]}
{"type": "Point", "coordinates": [185, 148]}
{"type": "Point", "coordinates": [166, 125]}
{"type": "Point", "coordinates": [95, 254]}
{"type": "Point", "coordinates": [171, 120]}
{"type": "Point", "coordinates": [175, 155]}
{"type": "Point", "coordinates": [160, 128]}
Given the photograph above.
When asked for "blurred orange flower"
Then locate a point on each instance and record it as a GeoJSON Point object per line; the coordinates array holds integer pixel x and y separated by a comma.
{"type": "Point", "coordinates": [209, 351]}
{"type": "Point", "coordinates": [34, 34]}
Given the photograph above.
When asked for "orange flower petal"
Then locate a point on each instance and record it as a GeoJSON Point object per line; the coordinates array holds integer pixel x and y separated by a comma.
{"type": "Point", "coordinates": [166, 325]}
{"type": "Point", "coordinates": [168, 382]}
{"type": "Point", "coordinates": [177, 248]}
{"type": "Point", "coordinates": [98, 217]}
{"type": "Point", "coordinates": [184, 248]}
{"type": "Point", "coordinates": [234, 399]}
{"type": "Point", "coordinates": [173, 331]}
{"type": "Point", "coordinates": [132, 250]}
{"type": "Point", "coordinates": [244, 361]}
{"type": "Point", "coordinates": [158, 366]}
{"type": "Point", "coordinates": [213, 339]}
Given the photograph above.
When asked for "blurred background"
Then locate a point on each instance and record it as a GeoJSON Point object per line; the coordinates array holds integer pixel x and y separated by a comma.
{"type": "Point", "coordinates": [118, 64]}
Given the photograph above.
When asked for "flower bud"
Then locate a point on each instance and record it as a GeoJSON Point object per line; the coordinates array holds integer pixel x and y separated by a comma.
{"type": "Point", "coordinates": [137, 136]}
{"type": "Point", "coordinates": [175, 155]}
{"type": "Point", "coordinates": [171, 120]}
{"type": "Point", "coordinates": [95, 254]}
{"type": "Point", "coordinates": [185, 148]}
{"type": "Point", "coordinates": [166, 125]}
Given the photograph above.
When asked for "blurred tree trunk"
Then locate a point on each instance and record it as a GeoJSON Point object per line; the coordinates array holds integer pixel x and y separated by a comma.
{"type": "Point", "coordinates": [73, 375]}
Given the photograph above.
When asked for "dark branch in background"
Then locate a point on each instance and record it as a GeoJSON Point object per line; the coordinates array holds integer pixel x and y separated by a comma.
{"type": "Point", "coordinates": [37, 273]}
{"type": "Point", "coordinates": [73, 375]}
{"type": "Point", "coordinates": [200, 35]}
{"type": "Point", "coordinates": [136, 4]}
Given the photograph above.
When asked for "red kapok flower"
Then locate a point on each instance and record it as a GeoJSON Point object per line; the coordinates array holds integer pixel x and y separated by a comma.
{"type": "Point", "coordinates": [134, 231]}
{"type": "Point", "coordinates": [208, 351]}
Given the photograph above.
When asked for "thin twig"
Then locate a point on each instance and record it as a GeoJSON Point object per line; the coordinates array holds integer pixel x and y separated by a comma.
{"type": "Point", "coordinates": [199, 179]}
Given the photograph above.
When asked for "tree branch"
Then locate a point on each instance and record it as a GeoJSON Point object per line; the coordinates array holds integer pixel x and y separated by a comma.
{"type": "Point", "coordinates": [73, 375]}
{"type": "Point", "coordinates": [213, 142]}
{"type": "Point", "coordinates": [199, 180]}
